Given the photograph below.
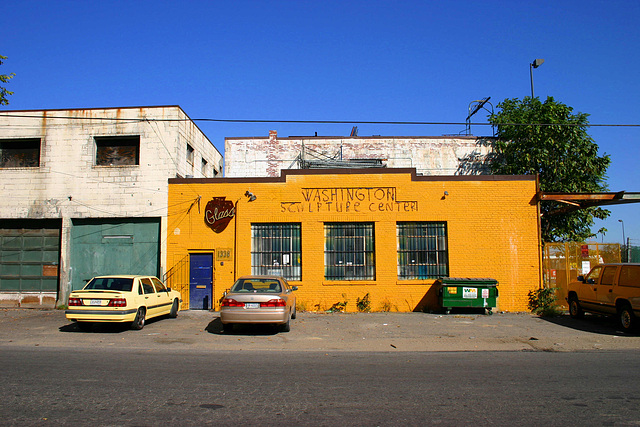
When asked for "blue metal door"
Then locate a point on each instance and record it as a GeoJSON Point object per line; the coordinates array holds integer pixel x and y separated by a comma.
{"type": "Point", "coordinates": [201, 281]}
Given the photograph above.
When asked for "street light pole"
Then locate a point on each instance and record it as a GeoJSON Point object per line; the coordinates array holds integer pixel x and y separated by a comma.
{"type": "Point", "coordinates": [624, 242]}
{"type": "Point", "coordinates": [535, 64]}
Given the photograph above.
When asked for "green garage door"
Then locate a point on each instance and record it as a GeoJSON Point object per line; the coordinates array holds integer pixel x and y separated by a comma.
{"type": "Point", "coordinates": [113, 246]}
{"type": "Point", "coordinates": [29, 255]}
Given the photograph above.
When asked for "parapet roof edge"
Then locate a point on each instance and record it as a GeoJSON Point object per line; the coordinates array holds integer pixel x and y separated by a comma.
{"type": "Point", "coordinates": [237, 138]}
{"type": "Point", "coordinates": [359, 171]}
{"type": "Point", "coordinates": [93, 108]}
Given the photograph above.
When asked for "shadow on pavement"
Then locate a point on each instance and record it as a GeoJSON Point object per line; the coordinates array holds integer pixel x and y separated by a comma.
{"type": "Point", "coordinates": [102, 327]}
{"type": "Point", "coordinates": [592, 323]}
{"type": "Point", "coordinates": [215, 327]}
{"type": "Point", "coordinates": [464, 310]}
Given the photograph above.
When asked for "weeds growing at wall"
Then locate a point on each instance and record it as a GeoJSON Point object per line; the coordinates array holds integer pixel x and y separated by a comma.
{"type": "Point", "coordinates": [386, 305]}
{"type": "Point", "coordinates": [363, 304]}
{"type": "Point", "coordinates": [339, 307]}
{"type": "Point", "coordinates": [543, 302]}
{"type": "Point", "coordinates": [301, 306]}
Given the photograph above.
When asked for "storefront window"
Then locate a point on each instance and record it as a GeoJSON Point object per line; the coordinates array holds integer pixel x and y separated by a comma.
{"type": "Point", "coordinates": [422, 250]}
{"type": "Point", "coordinates": [349, 251]}
{"type": "Point", "coordinates": [276, 250]}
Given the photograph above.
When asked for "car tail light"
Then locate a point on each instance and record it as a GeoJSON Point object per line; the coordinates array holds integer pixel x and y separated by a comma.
{"type": "Point", "coordinates": [274, 303]}
{"type": "Point", "coordinates": [230, 302]}
{"type": "Point", "coordinates": [118, 302]}
{"type": "Point", "coordinates": [74, 302]}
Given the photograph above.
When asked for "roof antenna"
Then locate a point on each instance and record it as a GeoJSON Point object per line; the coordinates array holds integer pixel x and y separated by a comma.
{"type": "Point", "coordinates": [474, 107]}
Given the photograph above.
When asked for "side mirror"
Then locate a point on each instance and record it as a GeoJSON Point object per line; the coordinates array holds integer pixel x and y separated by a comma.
{"type": "Point", "coordinates": [581, 279]}
{"type": "Point", "coordinates": [294, 288]}
{"type": "Point", "coordinates": [224, 294]}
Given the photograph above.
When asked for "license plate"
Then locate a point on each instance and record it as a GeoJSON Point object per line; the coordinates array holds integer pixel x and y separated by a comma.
{"type": "Point", "coordinates": [95, 302]}
{"type": "Point", "coordinates": [251, 305]}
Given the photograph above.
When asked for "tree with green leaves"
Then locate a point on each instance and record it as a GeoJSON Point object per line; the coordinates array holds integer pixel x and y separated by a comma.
{"type": "Point", "coordinates": [547, 139]}
{"type": "Point", "coordinates": [4, 78]}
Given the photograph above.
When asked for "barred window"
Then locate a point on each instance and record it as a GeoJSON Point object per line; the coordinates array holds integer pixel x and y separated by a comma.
{"type": "Point", "coordinates": [349, 251]}
{"type": "Point", "coordinates": [276, 250]}
{"type": "Point", "coordinates": [422, 250]}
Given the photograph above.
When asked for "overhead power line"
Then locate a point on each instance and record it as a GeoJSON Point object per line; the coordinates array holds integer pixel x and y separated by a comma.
{"type": "Point", "coordinates": [332, 122]}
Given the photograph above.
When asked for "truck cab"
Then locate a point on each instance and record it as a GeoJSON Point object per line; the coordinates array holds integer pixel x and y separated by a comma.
{"type": "Point", "coordinates": [610, 289]}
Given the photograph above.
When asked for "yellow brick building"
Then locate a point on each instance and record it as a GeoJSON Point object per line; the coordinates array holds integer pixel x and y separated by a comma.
{"type": "Point", "coordinates": [342, 234]}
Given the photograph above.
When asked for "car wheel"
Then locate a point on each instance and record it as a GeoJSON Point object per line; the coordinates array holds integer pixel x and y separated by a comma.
{"type": "Point", "coordinates": [227, 328]}
{"type": "Point", "coordinates": [627, 318]}
{"type": "Point", "coordinates": [174, 309]}
{"type": "Point", "coordinates": [286, 327]}
{"type": "Point", "coordinates": [575, 310]}
{"type": "Point", "coordinates": [138, 322]}
{"type": "Point", "coordinates": [294, 314]}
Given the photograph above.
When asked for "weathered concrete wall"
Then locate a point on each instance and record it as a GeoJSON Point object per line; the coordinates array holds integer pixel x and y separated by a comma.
{"type": "Point", "coordinates": [265, 157]}
{"type": "Point", "coordinates": [68, 183]}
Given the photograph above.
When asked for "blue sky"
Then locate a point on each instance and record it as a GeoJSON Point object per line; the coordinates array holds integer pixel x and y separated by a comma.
{"type": "Point", "coordinates": [422, 61]}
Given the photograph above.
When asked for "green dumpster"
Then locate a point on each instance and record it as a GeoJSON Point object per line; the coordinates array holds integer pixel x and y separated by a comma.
{"type": "Point", "coordinates": [468, 292]}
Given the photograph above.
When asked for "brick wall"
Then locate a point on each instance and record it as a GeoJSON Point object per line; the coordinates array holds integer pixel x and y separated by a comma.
{"type": "Point", "coordinates": [492, 231]}
{"type": "Point", "coordinates": [260, 157]}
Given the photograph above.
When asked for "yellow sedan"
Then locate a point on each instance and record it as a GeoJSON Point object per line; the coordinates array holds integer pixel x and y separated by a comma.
{"type": "Point", "coordinates": [122, 299]}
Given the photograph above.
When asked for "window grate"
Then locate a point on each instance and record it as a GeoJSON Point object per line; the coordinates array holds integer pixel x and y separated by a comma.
{"type": "Point", "coordinates": [422, 250]}
{"type": "Point", "coordinates": [349, 251]}
{"type": "Point", "coordinates": [276, 250]}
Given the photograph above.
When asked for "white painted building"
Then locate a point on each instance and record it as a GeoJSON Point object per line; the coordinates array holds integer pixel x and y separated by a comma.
{"type": "Point", "coordinates": [267, 156]}
{"type": "Point", "coordinates": [84, 192]}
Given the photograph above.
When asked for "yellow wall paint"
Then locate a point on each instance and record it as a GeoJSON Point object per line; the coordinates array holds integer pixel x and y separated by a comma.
{"type": "Point", "coordinates": [492, 225]}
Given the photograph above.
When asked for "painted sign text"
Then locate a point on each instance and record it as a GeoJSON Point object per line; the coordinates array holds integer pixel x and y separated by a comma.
{"type": "Point", "coordinates": [349, 199]}
{"type": "Point", "coordinates": [218, 213]}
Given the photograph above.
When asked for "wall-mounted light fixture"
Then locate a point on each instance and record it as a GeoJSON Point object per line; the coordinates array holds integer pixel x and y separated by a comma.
{"type": "Point", "coordinates": [444, 196]}
{"type": "Point", "coordinates": [250, 195]}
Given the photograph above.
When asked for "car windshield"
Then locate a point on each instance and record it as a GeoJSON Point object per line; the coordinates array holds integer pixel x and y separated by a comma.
{"type": "Point", "coordinates": [110, 284]}
{"type": "Point", "coordinates": [257, 285]}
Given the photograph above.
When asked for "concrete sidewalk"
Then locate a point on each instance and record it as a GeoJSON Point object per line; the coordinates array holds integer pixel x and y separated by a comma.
{"type": "Point", "coordinates": [328, 332]}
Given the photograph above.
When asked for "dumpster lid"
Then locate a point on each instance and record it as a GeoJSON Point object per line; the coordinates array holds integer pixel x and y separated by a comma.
{"type": "Point", "coordinates": [487, 281]}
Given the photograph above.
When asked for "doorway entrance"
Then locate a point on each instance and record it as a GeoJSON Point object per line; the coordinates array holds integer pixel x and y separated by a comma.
{"type": "Point", "coordinates": [200, 281]}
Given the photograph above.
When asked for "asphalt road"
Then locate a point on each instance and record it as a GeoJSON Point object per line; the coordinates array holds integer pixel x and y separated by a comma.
{"type": "Point", "coordinates": [347, 369]}
{"type": "Point", "coordinates": [112, 386]}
